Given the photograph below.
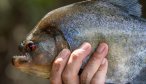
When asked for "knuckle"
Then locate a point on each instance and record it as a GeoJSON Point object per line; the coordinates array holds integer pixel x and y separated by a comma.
{"type": "Point", "coordinates": [77, 53]}
{"type": "Point", "coordinates": [57, 65]}
{"type": "Point", "coordinates": [75, 56]}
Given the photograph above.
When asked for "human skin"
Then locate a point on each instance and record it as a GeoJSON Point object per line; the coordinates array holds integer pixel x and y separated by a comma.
{"type": "Point", "coordinates": [67, 64]}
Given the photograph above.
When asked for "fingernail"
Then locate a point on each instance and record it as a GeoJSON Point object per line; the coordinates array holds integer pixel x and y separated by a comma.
{"type": "Point", "coordinates": [101, 48]}
{"type": "Point", "coordinates": [103, 61]}
{"type": "Point", "coordinates": [85, 46]}
{"type": "Point", "coordinates": [64, 53]}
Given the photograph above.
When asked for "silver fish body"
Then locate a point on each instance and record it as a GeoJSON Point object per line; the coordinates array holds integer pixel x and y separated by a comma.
{"type": "Point", "coordinates": [101, 21]}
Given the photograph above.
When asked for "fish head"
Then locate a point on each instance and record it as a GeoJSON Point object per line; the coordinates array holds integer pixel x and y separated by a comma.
{"type": "Point", "coordinates": [39, 50]}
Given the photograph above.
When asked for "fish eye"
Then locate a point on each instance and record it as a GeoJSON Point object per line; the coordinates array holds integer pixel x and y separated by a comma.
{"type": "Point", "coordinates": [30, 46]}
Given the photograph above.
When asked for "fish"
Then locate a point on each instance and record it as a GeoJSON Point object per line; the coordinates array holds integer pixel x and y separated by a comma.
{"type": "Point", "coordinates": [115, 22]}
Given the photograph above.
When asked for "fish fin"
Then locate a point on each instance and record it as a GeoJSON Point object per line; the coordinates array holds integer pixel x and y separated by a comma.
{"type": "Point", "coordinates": [133, 7]}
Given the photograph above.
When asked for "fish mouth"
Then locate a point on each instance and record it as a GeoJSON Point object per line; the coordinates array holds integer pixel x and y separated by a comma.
{"type": "Point", "coordinates": [20, 60]}
{"type": "Point", "coordinates": [25, 64]}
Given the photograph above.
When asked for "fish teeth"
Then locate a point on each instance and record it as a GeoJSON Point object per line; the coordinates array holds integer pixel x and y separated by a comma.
{"type": "Point", "coordinates": [15, 56]}
{"type": "Point", "coordinates": [20, 56]}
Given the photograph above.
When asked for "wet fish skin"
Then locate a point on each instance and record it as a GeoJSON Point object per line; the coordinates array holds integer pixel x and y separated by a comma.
{"type": "Point", "coordinates": [93, 22]}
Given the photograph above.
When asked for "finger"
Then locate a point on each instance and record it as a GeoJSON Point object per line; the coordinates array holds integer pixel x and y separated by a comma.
{"type": "Point", "coordinates": [70, 74]}
{"type": "Point", "coordinates": [100, 76]}
{"type": "Point", "coordinates": [93, 64]}
{"type": "Point", "coordinates": [58, 66]}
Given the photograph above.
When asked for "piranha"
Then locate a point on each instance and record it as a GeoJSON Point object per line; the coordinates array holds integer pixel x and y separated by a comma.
{"type": "Point", "coordinates": [116, 22]}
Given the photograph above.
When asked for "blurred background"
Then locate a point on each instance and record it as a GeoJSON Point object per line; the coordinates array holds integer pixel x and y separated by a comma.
{"type": "Point", "coordinates": [17, 18]}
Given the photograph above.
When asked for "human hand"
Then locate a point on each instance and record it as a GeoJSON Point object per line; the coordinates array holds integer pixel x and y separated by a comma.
{"type": "Point", "coordinates": [66, 66]}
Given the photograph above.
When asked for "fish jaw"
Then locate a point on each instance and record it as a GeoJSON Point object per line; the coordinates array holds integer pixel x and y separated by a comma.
{"type": "Point", "coordinates": [25, 64]}
{"type": "Point", "coordinates": [21, 60]}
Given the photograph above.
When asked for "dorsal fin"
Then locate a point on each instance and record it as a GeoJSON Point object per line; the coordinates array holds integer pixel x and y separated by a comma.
{"type": "Point", "coordinates": [133, 7]}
